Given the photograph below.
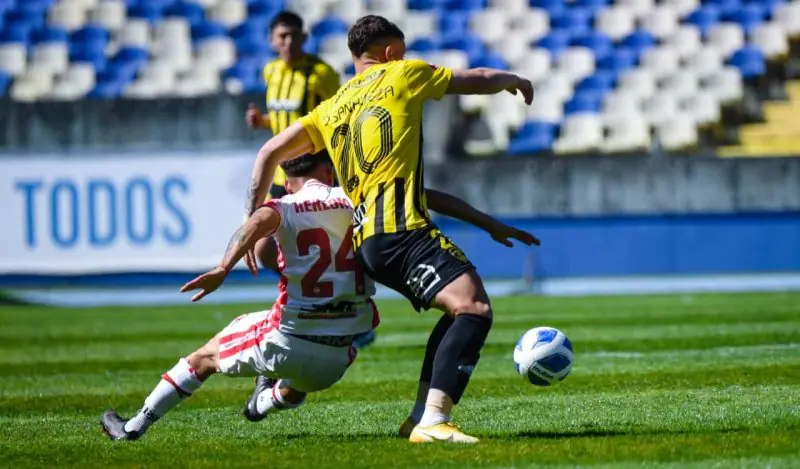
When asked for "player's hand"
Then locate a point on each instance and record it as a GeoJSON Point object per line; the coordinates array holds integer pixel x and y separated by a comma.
{"type": "Point", "coordinates": [253, 117]}
{"type": "Point", "coordinates": [525, 87]}
{"type": "Point", "coordinates": [250, 262]}
{"type": "Point", "coordinates": [206, 283]}
{"type": "Point", "coordinates": [503, 234]}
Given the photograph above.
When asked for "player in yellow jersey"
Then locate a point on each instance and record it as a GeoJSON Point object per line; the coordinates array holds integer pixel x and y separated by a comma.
{"type": "Point", "coordinates": [372, 128]}
{"type": "Point", "coordinates": [296, 83]}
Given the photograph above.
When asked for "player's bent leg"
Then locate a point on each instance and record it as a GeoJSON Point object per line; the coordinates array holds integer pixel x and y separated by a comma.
{"type": "Point", "coordinates": [456, 357]}
{"type": "Point", "coordinates": [178, 383]}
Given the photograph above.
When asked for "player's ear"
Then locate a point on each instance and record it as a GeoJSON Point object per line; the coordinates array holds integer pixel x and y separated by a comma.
{"type": "Point", "coordinates": [395, 50]}
{"type": "Point", "coordinates": [287, 186]}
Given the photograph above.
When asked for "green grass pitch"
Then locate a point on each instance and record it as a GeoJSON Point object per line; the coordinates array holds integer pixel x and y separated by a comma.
{"type": "Point", "coordinates": [705, 381]}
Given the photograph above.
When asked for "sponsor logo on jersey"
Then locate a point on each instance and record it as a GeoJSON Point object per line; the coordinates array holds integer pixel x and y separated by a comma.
{"type": "Point", "coordinates": [284, 105]}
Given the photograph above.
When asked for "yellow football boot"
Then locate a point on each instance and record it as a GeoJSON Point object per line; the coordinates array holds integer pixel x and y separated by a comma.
{"type": "Point", "coordinates": [407, 427]}
{"type": "Point", "coordinates": [445, 432]}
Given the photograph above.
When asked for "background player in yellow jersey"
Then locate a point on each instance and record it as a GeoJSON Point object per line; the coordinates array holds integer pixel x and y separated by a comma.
{"type": "Point", "coordinates": [296, 83]}
{"type": "Point", "coordinates": [372, 128]}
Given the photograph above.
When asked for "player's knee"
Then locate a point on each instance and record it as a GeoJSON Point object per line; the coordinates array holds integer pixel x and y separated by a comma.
{"type": "Point", "coordinates": [204, 362]}
{"type": "Point", "coordinates": [476, 307]}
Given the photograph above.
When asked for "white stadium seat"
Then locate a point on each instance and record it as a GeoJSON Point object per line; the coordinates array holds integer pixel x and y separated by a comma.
{"type": "Point", "coordinates": [199, 81]}
{"type": "Point", "coordinates": [661, 60]}
{"type": "Point", "coordinates": [513, 7]}
{"type": "Point", "coordinates": [556, 86]}
{"type": "Point", "coordinates": [680, 84]}
{"type": "Point", "coordinates": [12, 58]}
{"type": "Point", "coordinates": [206, 3]}
{"type": "Point", "coordinates": [661, 22]}
{"type": "Point", "coordinates": [702, 107]}
{"type": "Point", "coordinates": [334, 44]}
{"type": "Point", "coordinates": [32, 85]}
{"type": "Point", "coordinates": [535, 65]}
{"type": "Point", "coordinates": [81, 74]}
{"type": "Point", "coordinates": [725, 84]}
{"type": "Point", "coordinates": [472, 103]}
{"type": "Point", "coordinates": [576, 63]}
{"type": "Point", "coordinates": [580, 132]}
{"type": "Point", "coordinates": [615, 22]}
{"type": "Point", "coordinates": [640, 82]}
{"type": "Point", "coordinates": [230, 13]}
{"type": "Point", "coordinates": [111, 14]}
{"type": "Point", "coordinates": [545, 108]}
{"type": "Point", "coordinates": [135, 33]}
{"type": "Point", "coordinates": [491, 25]}
{"type": "Point", "coordinates": [627, 133]}
{"type": "Point", "coordinates": [513, 48]}
{"type": "Point", "coordinates": [685, 40]}
{"type": "Point", "coordinates": [66, 16]}
{"type": "Point", "coordinates": [682, 7]}
{"type": "Point", "coordinates": [705, 61]}
{"type": "Point", "coordinates": [417, 24]}
{"type": "Point", "coordinates": [219, 52]}
{"type": "Point", "coordinates": [771, 39]}
{"type": "Point", "coordinates": [532, 24]}
{"type": "Point", "coordinates": [639, 8]}
{"type": "Point", "coordinates": [677, 133]}
{"type": "Point", "coordinates": [659, 108]}
{"type": "Point", "coordinates": [727, 38]}
{"type": "Point", "coordinates": [788, 16]}
{"type": "Point", "coordinates": [620, 104]}
{"type": "Point", "coordinates": [392, 9]}
{"type": "Point", "coordinates": [349, 10]}
{"type": "Point", "coordinates": [507, 109]}
{"type": "Point", "coordinates": [455, 59]}
{"type": "Point", "coordinates": [51, 55]}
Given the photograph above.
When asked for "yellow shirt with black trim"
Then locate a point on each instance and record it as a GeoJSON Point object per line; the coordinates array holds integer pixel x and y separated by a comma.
{"type": "Point", "coordinates": [372, 129]}
{"type": "Point", "coordinates": [294, 91]}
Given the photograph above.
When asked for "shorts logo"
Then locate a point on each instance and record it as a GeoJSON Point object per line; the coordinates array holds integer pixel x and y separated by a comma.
{"type": "Point", "coordinates": [359, 217]}
{"type": "Point", "coordinates": [422, 278]}
{"type": "Point", "coordinates": [446, 244]}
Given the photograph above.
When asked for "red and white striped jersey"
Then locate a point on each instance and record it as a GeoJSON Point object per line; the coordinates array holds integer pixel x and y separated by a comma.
{"type": "Point", "coordinates": [323, 289]}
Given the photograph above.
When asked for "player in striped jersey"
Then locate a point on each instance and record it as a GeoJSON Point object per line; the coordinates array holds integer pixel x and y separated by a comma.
{"type": "Point", "coordinates": [372, 128]}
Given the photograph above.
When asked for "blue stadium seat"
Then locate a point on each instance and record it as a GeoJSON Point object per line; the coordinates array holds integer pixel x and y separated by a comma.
{"type": "Point", "coordinates": [5, 5]}
{"type": "Point", "coordinates": [621, 59]}
{"type": "Point", "coordinates": [350, 69]}
{"type": "Point", "coordinates": [193, 12]}
{"type": "Point", "coordinates": [17, 32]}
{"type": "Point", "coordinates": [750, 62]}
{"type": "Point", "coordinates": [586, 101]}
{"type": "Point", "coordinates": [33, 7]}
{"type": "Point", "coordinates": [533, 137]}
{"type": "Point", "coordinates": [129, 60]}
{"type": "Point", "coordinates": [426, 4]}
{"type": "Point", "coordinates": [593, 5]}
{"type": "Point", "coordinates": [749, 15]}
{"type": "Point", "coordinates": [577, 21]}
{"type": "Point", "coordinates": [253, 47]}
{"type": "Point", "coordinates": [209, 29]}
{"type": "Point", "coordinates": [425, 44]}
{"type": "Point", "coordinates": [329, 26]}
{"type": "Point", "coordinates": [600, 83]}
{"type": "Point", "coordinates": [469, 44]}
{"type": "Point", "coordinates": [248, 71]}
{"type": "Point", "coordinates": [146, 11]}
{"type": "Point", "coordinates": [257, 28]}
{"type": "Point", "coordinates": [93, 53]}
{"type": "Point", "coordinates": [312, 45]}
{"type": "Point", "coordinates": [490, 60]}
{"type": "Point", "coordinates": [107, 90]}
{"type": "Point", "coordinates": [453, 25]}
{"type": "Point", "coordinates": [49, 34]}
{"type": "Point", "coordinates": [639, 41]}
{"type": "Point", "coordinates": [551, 6]}
{"type": "Point", "coordinates": [465, 5]}
{"type": "Point", "coordinates": [704, 17]}
{"type": "Point", "coordinates": [263, 11]}
{"type": "Point", "coordinates": [35, 19]}
{"type": "Point", "coordinates": [556, 42]}
{"type": "Point", "coordinates": [600, 44]}
{"type": "Point", "coordinates": [90, 33]}
{"type": "Point", "coordinates": [726, 7]}
{"type": "Point", "coordinates": [5, 81]}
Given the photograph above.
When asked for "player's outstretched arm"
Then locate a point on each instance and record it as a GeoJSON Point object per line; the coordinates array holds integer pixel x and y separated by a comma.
{"type": "Point", "coordinates": [263, 223]}
{"type": "Point", "coordinates": [454, 207]}
{"type": "Point", "coordinates": [291, 143]}
{"type": "Point", "coordinates": [489, 81]}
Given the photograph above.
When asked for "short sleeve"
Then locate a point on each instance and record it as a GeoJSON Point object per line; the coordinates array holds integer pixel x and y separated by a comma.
{"type": "Point", "coordinates": [313, 126]}
{"type": "Point", "coordinates": [278, 206]}
{"type": "Point", "coordinates": [426, 80]}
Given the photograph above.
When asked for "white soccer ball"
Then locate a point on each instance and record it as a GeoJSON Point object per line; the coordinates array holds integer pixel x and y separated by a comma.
{"type": "Point", "coordinates": [543, 356]}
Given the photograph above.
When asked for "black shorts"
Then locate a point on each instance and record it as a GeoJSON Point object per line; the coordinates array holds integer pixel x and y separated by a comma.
{"type": "Point", "coordinates": [416, 263]}
{"type": "Point", "coordinates": [276, 192]}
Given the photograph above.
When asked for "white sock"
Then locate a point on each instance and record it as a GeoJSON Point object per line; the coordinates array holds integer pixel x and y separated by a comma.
{"type": "Point", "coordinates": [271, 400]}
{"type": "Point", "coordinates": [433, 416]}
{"type": "Point", "coordinates": [175, 384]}
{"type": "Point", "coordinates": [417, 411]}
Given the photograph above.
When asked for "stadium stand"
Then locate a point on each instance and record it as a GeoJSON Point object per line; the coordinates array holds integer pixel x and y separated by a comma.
{"type": "Point", "coordinates": [615, 77]}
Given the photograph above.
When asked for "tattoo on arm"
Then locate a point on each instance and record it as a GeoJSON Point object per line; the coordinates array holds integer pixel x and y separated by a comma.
{"type": "Point", "coordinates": [236, 239]}
{"type": "Point", "coordinates": [250, 203]}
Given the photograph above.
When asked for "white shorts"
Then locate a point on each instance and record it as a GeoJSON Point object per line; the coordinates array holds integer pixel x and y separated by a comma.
{"type": "Point", "coordinates": [252, 345]}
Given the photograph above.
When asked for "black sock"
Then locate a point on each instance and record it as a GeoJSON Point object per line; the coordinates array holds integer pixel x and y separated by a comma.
{"type": "Point", "coordinates": [458, 354]}
{"type": "Point", "coordinates": [437, 334]}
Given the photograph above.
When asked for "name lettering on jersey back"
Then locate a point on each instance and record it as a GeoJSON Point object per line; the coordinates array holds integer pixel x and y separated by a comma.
{"type": "Point", "coordinates": [322, 205]}
{"type": "Point", "coordinates": [342, 112]}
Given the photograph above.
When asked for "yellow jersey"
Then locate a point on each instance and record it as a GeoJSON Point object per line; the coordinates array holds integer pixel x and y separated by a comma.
{"type": "Point", "coordinates": [372, 129]}
{"type": "Point", "coordinates": [293, 91]}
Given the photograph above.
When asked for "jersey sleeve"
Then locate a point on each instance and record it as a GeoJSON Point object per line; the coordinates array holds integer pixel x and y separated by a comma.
{"type": "Point", "coordinates": [278, 206]}
{"type": "Point", "coordinates": [311, 123]}
{"type": "Point", "coordinates": [427, 81]}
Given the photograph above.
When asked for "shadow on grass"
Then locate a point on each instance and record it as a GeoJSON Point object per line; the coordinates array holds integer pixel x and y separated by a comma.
{"type": "Point", "coordinates": [598, 433]}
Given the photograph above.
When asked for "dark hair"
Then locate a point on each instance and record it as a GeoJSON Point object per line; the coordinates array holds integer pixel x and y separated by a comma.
{"type": "Point", "coordinates": [286, 18]}
{"type": "Point", "coordinates": [368, 30]}
{"type": "Point", "coordinates": [304, 165]}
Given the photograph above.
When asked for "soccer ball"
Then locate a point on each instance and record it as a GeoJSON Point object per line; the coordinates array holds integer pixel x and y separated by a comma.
{"type": "Point", "coordinates": [543, 356]}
